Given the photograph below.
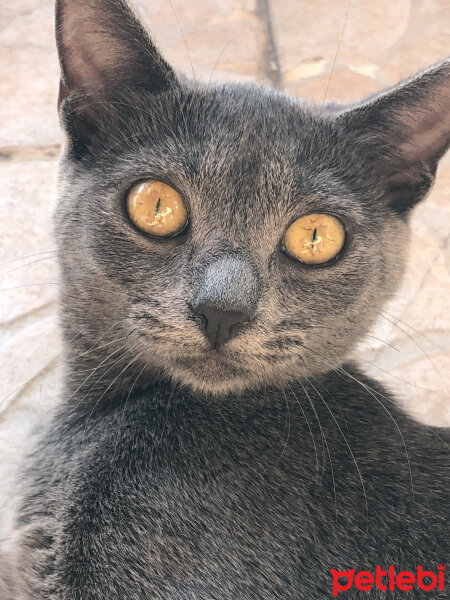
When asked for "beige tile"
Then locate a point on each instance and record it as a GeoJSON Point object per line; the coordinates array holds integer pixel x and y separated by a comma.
{"type": "Point", "coordinates": [307, 31]}
{"type": "Point", "coordinates": [343, 86]}
{"type": "Point", "coordinates": [26, 353]}
{"type": "Point", "coordinates": [30, 74]}
{"type": "Point", "coordinates": [372, 29]}
{"type": "Point", "coordinates": [311, 31]}
{"type": "Point", "coordinates": [27, 276]}
{"type": "Point", "coordinates": [423, 46]}
{"type": "Point", "coordinates": [209, 38]}
{"type": "Point", "coordinates": [234, 52]}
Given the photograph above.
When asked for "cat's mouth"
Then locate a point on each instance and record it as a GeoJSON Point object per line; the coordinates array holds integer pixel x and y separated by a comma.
{"type": "Point", "coordinates": [211, 359]}
{"type": "Point", "coordinates": [214, 357]}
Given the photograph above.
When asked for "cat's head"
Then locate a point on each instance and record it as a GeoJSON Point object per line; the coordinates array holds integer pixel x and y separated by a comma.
{"type": "Point", "coordinates": [227, 300]}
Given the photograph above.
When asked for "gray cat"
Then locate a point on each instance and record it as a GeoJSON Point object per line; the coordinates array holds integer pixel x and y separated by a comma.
{"type": "Point", "coordinates": [222, 250]}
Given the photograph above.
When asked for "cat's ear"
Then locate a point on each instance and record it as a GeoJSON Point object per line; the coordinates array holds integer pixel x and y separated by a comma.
{"type": "Point", "coordinates": [409, 127]}
{"type": "Point", "coordinates": [102, 46]}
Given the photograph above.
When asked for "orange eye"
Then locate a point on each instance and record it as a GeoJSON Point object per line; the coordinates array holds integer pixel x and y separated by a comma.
{"type": "Point", "coordinates": [314, 239]}
{"type": "Point", "coordinates": [156, 208]}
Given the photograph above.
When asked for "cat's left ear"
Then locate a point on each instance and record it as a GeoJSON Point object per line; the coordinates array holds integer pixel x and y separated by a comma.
{"type": "Point", "coordinates": [408, 129]}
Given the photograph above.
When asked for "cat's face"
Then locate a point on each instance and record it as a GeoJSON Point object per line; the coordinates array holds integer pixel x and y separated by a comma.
{"type": "Point", "coordinates": [246, 162]}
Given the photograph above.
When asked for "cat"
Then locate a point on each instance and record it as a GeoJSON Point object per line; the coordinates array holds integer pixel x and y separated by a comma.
{"type": "Point", "coordinates": [222, 250]}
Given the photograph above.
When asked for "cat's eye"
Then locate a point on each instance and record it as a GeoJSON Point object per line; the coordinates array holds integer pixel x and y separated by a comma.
{"type": "Point", "coordinates": [314, 239]}
{"type": "Point", "coordinates": [156, 208]}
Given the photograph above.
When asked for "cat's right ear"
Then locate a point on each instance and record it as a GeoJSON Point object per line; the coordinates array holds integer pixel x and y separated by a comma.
{"type": "Point", "coordinates": [102, 47]}
{"type": "Point", "coordinates": [404, 131]}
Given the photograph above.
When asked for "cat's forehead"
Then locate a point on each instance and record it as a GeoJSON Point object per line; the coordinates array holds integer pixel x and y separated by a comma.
{"type": "Point", "coordinates": [245, 118]}
{"type": "Point", "coordinates": [251, 119]}
{"type": "Point", "coordinates": [234, 132]}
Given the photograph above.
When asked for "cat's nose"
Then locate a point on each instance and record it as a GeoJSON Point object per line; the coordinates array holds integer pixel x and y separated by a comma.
{"type": "Point", "coordinates": [227, 291]}
{"type": "Point", "coordinates": [220, 325]}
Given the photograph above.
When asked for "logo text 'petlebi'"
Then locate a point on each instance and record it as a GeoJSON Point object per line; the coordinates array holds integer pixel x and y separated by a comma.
{"type": "Point", "coordinates": [388, 580]}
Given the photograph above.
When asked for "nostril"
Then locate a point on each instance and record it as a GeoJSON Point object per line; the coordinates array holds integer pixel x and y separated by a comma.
{"type": "Point", "coordinates": [199, 318]}
{"type": "Point", "coordinates": [220, 325]}
{"type": "Point", "coordinates": [203, 321]}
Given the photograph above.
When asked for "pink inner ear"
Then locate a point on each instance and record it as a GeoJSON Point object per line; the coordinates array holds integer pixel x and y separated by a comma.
{"type": "Point", "coordinates": [90, 51]}
{"type": "Point", "coordinates": [428, 129]}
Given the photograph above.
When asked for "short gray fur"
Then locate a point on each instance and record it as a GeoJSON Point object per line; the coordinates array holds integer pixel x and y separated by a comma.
{"type": "Point", "coordinates": [170, 472]}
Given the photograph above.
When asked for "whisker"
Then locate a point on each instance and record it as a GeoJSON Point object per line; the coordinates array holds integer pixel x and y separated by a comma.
{"type": "Point", "coordinates": [23, 386]}
{"type": "Point", "coordinates": [86, 287]}
{"type": "Point", "coordinates": [33, 262]}
{"type": "Point", "coordinates": [337, 51]}
{"type": "Point", "coordinates": [184, 40]}
{"type": "Point", "coordinates": [392, 401]}
{"type": "Point", "coordinates": [94, 371]}
{"type": "Point", "coordinates": [129, 394]}
{"type": "Point", "coordinates": [24, 285]}
{"type": "Point", "coordinates": [348, 446]}
{"type": "Point", "coordinates": [46, 370]}
{"type": "Point", "coordinates": [288, 416]}
{"type": "Point", "coordinates": [97, 381]}
{"type": "Point", "coordinates": [333, 479]}
{"type": "Point", "coordinates": [359, 333]}
{"type": "Point", "coordinates": [375, 366]}
{"type": "Point", "coordinates": [133, 360]}
{"type": "Point", "coordinates": [310, 432]}
{"type": "Point", "coordinates": [334, 400]}
{"type": "Point", "coordinates": [338, 369]}
{"type": "Point", "coordinates": [395, 423]}
{"type": "Point", "coordinates": [217, 61]}
{"type": "Point", "coordinates": [414, 385]}
{"type": "Point", "coordinates": [414, 329]}
{"type": "Point", "coordinates": [416, 343]}
{"type": "Point", "coordinates": [27, 256]}
{"type": "Point", "coordinates": [324, 440]}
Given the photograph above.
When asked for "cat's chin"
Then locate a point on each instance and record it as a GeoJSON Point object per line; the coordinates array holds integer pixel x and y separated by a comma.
{"type": "Point", "coordinates": [223, 372]}
{"type": "Point", "coordinates": [211, 387]}
{"type": "Point", "coordinates": [213, 373]}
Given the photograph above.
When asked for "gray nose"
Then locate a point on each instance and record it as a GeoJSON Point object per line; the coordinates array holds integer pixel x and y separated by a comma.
{"type": "Point", "coordinates": [227, 293]}
{"type": "Point", "coordinates": [220, 325]}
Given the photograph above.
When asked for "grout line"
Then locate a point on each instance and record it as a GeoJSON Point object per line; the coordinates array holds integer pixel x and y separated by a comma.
{"type": "Point", "coordinates": [18, 323]}
{"type": "Point", "coordinates": [19, 153]}
{"type": "Point", "coordinates": [271, 60]}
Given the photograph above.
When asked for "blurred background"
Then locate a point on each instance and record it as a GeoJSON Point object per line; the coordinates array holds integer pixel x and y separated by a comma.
{"type": "Point", "coordinates": [313, 49]}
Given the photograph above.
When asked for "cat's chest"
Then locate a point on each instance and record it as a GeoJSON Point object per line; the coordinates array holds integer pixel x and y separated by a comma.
{"type": "Point", "coordinates": [265, 463]}
{"type": "Point", "coordinates": [205, 502]}
{"type": "Point", "coordinates": [217, 516]}
{"type": "Point", "coordinates": [209, 478]}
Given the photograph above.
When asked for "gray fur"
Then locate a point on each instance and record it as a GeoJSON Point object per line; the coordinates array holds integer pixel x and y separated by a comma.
{"type": "Point", "coordinates": [171, 472]}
